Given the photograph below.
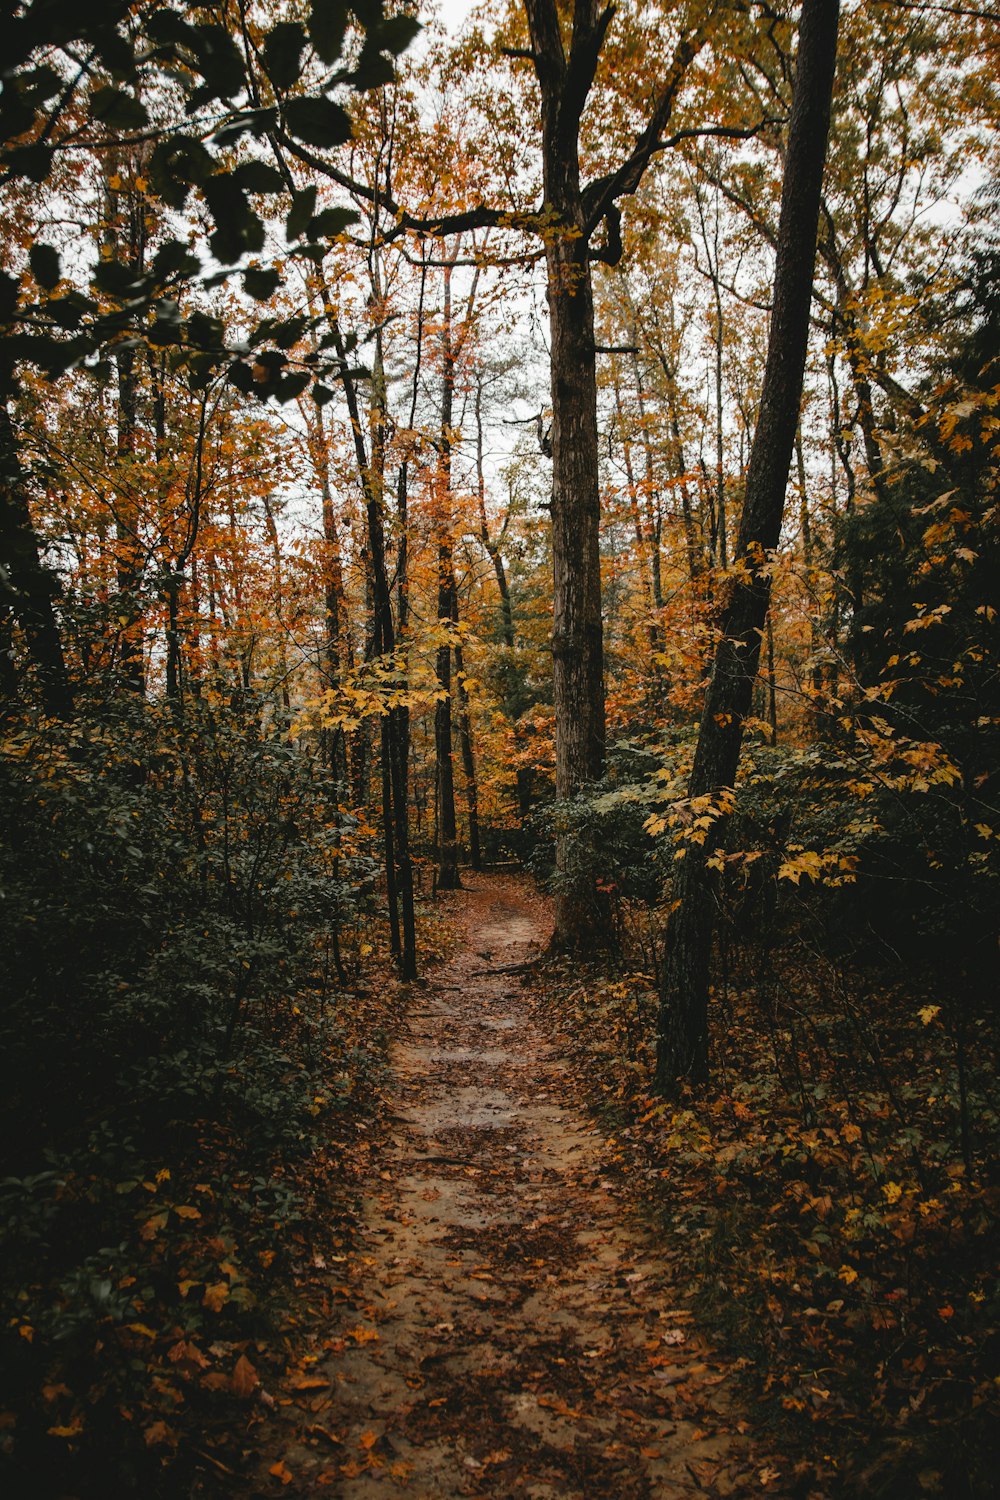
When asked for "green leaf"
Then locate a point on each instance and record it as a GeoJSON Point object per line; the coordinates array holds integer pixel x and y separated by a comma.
{"type": "Point", "coordinates": [69, 311]}
{"type": "Point", "coordinates": [176, 165]}
{"type": "Point", "coordinates": [397, 32]}
{"type": "Point", "coordinates": [118, 279]}
{"type": "Point", "coordinates": [237, 227]}
{"type": "Point", "coordinates": [330, 222]}
{"type": "Point", "coordinates": [118, 109]}
{"type": "Point", "coordinates": [33, 162]}
{"type": "Point", "coordinates": [220, 63]}
{"type": "Point", "coordinates": [166, 327]}
{"type": "Point", "coordinates": [259, 177]}
{"type": "Point", "coordinates": [174, 259]}
{"type": "Point", "coordinates": [241, 376]}
{"type": "Point", "coordinates": [8, 295]}
{"type": "Point", "coordinates": [374, 70]}
{"type": "Point", "coordinates": [290, 386]}
{"type": "Point", "coordinates": [283, 48]}
{"type": "Point", "coordinates": [205, 331]}
{"type": "Point", "coordinates": [326, 25]}
{"type": "Point", "coordinates": [303, 207]}
{"type": "Point", "coordinates": [45, 266]}
{"type": "Point", "coordinates": [318, 121]}
{"type": "Point", "coordinates": [261, 284]}
{"type": "Point", "coordinates": [289, 332]}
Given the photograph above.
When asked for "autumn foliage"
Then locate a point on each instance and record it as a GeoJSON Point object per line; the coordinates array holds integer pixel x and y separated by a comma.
{"type": "Point", "coordinates": [276, 665]}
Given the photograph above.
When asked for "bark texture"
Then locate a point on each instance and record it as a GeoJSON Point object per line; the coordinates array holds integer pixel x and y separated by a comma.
{"type": "Point", "coordinates": [682, 1044]}
{"type": "Point", "coordinates": [27, 589]}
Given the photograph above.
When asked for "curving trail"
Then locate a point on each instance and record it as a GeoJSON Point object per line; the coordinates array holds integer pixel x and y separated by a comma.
{"type": "Point", "coordinates": [514, 1334]}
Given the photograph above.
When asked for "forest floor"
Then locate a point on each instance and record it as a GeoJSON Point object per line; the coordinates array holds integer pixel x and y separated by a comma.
{"type": "Point", "coordinates": [509, 1324]}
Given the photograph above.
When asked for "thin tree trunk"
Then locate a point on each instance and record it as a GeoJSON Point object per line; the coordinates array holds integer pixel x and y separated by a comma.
{"type": "Point", "coordinates": [683, 1040]}
{"type": "Point", "coordinates": [399, 882]}
{"type": "Point", "coordinates": [468, 761]}
{"type": "Point", "coordinates": [27, 588]}
{"type": "Point", "coordinates": [448, 878]}
{"type": "Point", "coordinates": [492, 550]}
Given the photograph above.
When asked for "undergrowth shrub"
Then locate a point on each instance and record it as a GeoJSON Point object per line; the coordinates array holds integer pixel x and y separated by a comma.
{"type": "Point", "coordinates": [182, 908]}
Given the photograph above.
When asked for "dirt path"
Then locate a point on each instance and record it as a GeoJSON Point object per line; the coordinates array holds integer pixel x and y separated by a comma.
{"type": "Point", "coordinates": [514, 1333]}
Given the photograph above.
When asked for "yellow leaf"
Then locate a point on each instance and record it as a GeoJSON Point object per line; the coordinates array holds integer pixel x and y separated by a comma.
{"type": "Point", "coordinates": [72, 1430]}
{"type": "Point", "coordinates": [848, 1275]}
{"type": "Point", "coordinates": [928, 1012]}
{"type": "Point", "coordinates": [892, 1191]}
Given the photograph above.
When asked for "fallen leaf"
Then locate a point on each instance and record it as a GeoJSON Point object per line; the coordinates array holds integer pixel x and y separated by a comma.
{"type": "Point", "coordinates": [245, 1379]}
{"type": "Point", "coordinates": [158, 1433]}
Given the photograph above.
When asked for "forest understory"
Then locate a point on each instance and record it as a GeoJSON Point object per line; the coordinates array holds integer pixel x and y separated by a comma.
{"type": "Point", "coordinates": [504, 1268]}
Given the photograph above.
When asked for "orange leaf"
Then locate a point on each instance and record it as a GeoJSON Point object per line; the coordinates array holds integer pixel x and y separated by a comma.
{"type": "Point", "coordinates": [215, 1295]}
{"type": "Point", "coordinates": [159, 1432]}
{"type": "Point", "coordinates": [368, 1439]}
{"type": "Point", "coordinates": [245, 1379]}
{"type": "Point", "coordinates": [281, 1471]}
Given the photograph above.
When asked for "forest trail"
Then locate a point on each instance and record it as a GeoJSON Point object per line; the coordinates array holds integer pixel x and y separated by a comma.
{"type": "Point", "coordinates": [514, 1332]}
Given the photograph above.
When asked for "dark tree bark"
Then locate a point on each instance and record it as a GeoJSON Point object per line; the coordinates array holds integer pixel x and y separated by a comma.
{"type": "Point", "coordinates": [125, 237]}
{"type": "Point", "coordinates": [395, 724]}
{"type": "Point", "coordinates": [682, 1043]}
{"type": "Point", "coordinates": [468, 761]}
{"type": "Point", "coordinates": [27, 589]}
{"type": "Point", "coordinates": [448, 878]}
{"type": "Point", "coordinates": [492, 550]}
{"type": "Point", "coordinates": [573, 214]}
{"type": "Point", "coordinates": [577, 639]}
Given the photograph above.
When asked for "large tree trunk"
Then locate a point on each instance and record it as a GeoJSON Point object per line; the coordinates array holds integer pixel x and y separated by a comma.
{"type": "Point", "coordinates": [682, 1044]}
{"type": "Point", "coordinates": [577, 639]}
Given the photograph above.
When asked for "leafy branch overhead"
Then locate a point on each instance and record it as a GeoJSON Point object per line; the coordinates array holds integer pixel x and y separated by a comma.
{"type": "Point", "coordinates": [201, 104]}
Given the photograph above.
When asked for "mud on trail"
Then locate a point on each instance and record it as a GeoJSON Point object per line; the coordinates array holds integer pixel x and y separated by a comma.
{"type": "Point", "coordinates": [514, 1333]}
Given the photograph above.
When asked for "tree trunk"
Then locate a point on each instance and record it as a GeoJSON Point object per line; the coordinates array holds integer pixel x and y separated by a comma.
{"type": "Point", "coordinates": [395, 809]}
{"type": "Point", "coordinates": [448, 878]}
{"type": "Point", "coordinates": [577, 638]}
{"type": "Point", "coordinates": [683, 1041]}
{"type": "Point", "coordinates": [27, 588]}
{"type": "Point", "coordinates": [468, 761]}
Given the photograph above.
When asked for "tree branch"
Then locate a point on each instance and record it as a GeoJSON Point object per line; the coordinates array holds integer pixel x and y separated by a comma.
{"type": "Point", "coordinates": [599, 195]}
